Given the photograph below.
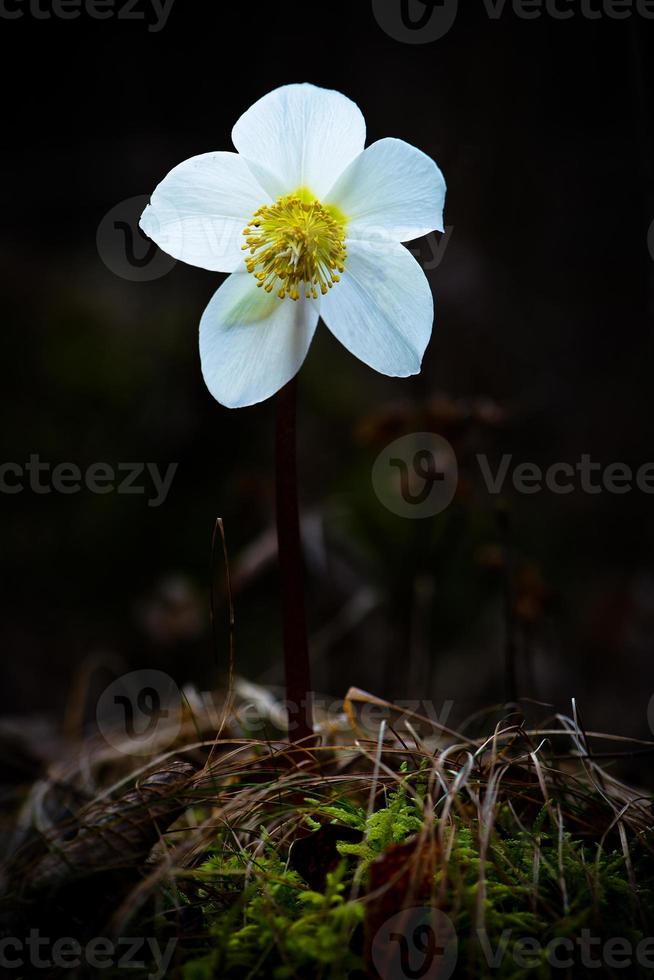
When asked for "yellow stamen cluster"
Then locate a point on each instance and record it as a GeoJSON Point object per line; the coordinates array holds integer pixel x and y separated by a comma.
{"type": "Point", "coordinates": [295, 246]}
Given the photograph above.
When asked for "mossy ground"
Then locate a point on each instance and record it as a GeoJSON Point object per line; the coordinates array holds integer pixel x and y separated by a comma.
{"type": "Point", "coordinates": [408, 850]}
{"type": "Point", "coordinates": [540, 884]}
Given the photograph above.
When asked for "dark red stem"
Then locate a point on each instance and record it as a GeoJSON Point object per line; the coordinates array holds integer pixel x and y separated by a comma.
{"type": "Point", "coordinates": [296, 647]}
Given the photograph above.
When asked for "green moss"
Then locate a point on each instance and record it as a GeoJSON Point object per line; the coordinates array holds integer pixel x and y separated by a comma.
{"type": "Point", "coordinates": [277, 927]}
{"type": "Point", "coordinates": [533, 882]}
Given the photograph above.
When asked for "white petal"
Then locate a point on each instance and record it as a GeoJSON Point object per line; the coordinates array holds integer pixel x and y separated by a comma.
{"type": "Point", "coordinates": [300, 136]}
{"type": "Point", "coordinates": [391, 191]}
{"type": "Point", "coordinates": [382, 309]}
{"type": "Point", "coordinates": [252, 342]}
{"type": "Point", "coordinates": [198, 212]}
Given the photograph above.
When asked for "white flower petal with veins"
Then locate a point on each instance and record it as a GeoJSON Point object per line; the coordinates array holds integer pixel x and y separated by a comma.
{"type": "Point", "coordinates": [198, 212]}
{"type": "Point", "coordinates": [300, 136]}
{"type": "Point", "coordinates": [251, 343]}
{"type": "Point", "coordinates": [382, 310]}
{"type": "Point", "coordinates": [391, 190]}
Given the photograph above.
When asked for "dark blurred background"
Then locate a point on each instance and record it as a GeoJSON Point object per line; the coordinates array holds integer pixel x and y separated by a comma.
{"type": "Point", "coordinates": [542, 348]}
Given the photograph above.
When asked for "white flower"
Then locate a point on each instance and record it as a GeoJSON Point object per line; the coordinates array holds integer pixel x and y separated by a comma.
{"type": "Point", "coordinates": [303, 213]}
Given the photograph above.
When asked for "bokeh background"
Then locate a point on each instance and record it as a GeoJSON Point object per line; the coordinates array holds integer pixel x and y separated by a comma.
{"type": "Point", "coordinates": [542, 349]}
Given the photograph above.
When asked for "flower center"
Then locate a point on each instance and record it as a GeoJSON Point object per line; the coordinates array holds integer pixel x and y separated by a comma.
{"type": "Point", "coordinates": [296, 245]}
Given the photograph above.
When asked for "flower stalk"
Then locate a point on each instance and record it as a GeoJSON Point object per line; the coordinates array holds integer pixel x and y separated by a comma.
{"type": "Point", "coordinates": [296, 647]}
